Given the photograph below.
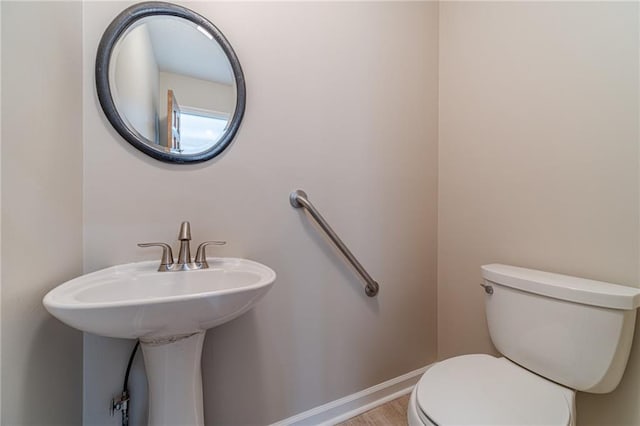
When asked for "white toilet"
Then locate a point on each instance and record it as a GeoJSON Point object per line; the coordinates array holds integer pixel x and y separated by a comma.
{"type": "Point", "coordinates": [558, 334]}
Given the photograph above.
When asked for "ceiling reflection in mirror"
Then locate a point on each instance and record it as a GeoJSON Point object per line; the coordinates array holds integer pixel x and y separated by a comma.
{"type": "Point", "coordinates": [175, 86]}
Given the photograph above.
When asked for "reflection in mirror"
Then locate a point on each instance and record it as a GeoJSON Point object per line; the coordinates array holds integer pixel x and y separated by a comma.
{"type": "Point", "coordinates": [174, 87]}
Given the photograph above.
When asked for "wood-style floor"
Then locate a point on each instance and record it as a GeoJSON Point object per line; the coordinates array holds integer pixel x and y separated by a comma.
{"type": "Point", "coordinates": [393, 413]}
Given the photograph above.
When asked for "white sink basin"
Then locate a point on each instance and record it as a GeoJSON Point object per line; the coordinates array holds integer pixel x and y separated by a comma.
{"type": "Point", "coordinates": [136, 301]}
{"type": "Point", "coordinates": [169, 312]}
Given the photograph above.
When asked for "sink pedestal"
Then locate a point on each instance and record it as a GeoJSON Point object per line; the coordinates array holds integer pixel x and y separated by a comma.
{"type": "Point", "coordinates": [168, 312]}
{"type": "Point", "coordinates": [174, 375]}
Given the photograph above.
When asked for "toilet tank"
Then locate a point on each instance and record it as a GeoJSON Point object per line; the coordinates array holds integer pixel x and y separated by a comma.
{"type": "Point", "coordinates": [573, 331]}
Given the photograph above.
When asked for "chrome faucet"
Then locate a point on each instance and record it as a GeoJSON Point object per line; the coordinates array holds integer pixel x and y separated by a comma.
{"type": "Point", "coordinates": [184, 262]}
{"type": "Point", "coordinates": [184, 255]}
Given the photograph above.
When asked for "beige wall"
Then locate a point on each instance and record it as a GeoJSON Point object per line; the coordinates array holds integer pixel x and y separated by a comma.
{"type": "Point", "coordinates": [0, 214]}
{"type": "Point", "coordinates": [41, 209]}
{"type": "Point", "coordinates": [538, 159]}
{"type": "Point", "coordinates": [136, 77]}
{"type": "Point", "coordinates": [348, 114]}
{"type": "Point", "coordinates": [195, 93]}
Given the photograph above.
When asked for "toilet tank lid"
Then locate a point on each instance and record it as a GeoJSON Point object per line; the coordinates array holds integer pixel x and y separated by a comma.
{"type": "Point", "coordinates": [563, 287]}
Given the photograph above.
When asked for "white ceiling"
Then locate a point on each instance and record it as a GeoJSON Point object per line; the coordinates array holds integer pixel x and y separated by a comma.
{"type": "Point", "coordinates": [180, 48]}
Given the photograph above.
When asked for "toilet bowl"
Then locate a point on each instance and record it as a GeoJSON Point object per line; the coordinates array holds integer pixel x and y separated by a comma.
{"type": "Point", "coordinates": [543, 324]}
{"type": "Point", "coordinates": [493, 391]}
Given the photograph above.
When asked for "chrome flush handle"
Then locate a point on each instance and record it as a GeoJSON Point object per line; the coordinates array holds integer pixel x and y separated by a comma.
{"type": "Point", "coordinates": [487, 288]}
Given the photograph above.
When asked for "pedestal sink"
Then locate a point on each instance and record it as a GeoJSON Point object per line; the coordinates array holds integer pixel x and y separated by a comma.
{"type": "Point", "coordinates": [169, 312]}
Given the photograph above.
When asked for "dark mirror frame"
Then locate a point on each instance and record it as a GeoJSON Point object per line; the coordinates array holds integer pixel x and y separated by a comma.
{"type": "Point", "coordinates": [109, 39]}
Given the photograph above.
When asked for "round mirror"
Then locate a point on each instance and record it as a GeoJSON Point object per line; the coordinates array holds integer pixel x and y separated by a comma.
{"type": "Point", "coordinates": [170, 83]}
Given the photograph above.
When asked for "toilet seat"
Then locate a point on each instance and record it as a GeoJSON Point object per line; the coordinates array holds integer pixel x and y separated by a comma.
{"type": "Point", "coordinates": [484, 390]}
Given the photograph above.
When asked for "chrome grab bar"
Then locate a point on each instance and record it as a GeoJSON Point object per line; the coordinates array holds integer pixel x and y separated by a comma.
{"type": "Point", "coordinates": [299, 199]}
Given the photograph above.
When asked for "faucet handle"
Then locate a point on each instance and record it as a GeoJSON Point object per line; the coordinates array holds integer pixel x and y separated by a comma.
{"type": "Point", "coordinates": [167, 254]}
{"type": "Point", "coordinates": [201, 255]}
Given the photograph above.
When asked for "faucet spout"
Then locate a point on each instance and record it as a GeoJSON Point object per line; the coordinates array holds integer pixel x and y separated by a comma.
{"type": "Point", "coordinates": [185, 231]}
{"type": "Point", "coordinates": [184, 256]}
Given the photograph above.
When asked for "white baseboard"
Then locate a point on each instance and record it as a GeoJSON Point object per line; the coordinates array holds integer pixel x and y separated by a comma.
{"type": "Point", "coordinates": [352, 405]}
